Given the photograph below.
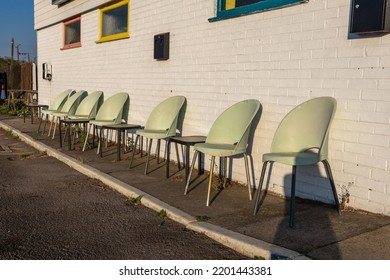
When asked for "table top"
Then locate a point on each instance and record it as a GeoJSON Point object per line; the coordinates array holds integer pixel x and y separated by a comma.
{"type": "Point", "coordinates": [189, 140]}
{"type": "Point", "coordinates": [22, 90]}
{"type": "Point", "coordinates": [74, 120]}
{"type": "Point", "coordinates": [122, 126]}
{"type": "Point", "coordinates": [37, 105]}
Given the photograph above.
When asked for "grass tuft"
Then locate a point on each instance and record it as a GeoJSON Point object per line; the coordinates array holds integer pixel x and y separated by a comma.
{"type": "Point", "coordinates": [134, 200]}
{"type": "Point", "coordinates": [162, 213]}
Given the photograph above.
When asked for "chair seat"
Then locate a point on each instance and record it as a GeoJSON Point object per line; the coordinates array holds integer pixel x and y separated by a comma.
{"type": "Point", "coordinates": [59, 114]}
{"type": "Point", "coordinates": [300, 158]}
{"type": "Point", "coordinates": [102, 122]}
{"type": "Point", "coordinates": [47, 111]}
{"type": "Point", "coordinates": [76, 117]}
{"type": "Point", "coordinates": [153, 133]}
{"type": "Point", "coordinates": [220, 150]}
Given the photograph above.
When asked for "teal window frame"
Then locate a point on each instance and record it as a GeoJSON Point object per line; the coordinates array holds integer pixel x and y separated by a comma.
{"type": "Point", "coordinates": [260, 6]}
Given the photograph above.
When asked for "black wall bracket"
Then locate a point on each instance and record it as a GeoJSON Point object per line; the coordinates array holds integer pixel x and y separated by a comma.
{"type": "Point", "coordinates": [161, 46]}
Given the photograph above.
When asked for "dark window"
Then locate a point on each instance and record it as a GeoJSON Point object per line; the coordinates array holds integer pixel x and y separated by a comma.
{"type": "Point", "coordinates": [72, 33]}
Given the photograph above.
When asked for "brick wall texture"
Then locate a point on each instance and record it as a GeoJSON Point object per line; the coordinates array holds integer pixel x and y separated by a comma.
{"type": "Point", "coordinates": [281, 57]}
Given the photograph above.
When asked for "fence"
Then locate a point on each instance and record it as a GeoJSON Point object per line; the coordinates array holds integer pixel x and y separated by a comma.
{"type": "Point", "coordinates": [19, 76]}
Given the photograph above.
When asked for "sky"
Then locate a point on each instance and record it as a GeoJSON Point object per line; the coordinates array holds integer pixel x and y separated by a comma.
{"type": "Point", "coordinates": [17, 20]}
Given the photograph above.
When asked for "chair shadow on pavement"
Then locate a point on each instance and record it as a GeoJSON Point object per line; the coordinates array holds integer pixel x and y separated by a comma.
{"type": "Point", "coordinates": [313, 228]}
{"type": "Point", "coordinates": [313, 234]}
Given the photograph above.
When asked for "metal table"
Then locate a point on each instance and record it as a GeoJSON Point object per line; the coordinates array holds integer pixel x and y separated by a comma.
{"type": "Point", "coordinates": [31, 107]}
{"type": "Point", "coordinates": [69, 122]}
{"type": "Point", "coordinates": [119, 128]}
{"type": "Point", "coordinates": [186, 141]}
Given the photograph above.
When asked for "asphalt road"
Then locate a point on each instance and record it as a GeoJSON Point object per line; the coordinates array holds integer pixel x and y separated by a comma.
{"type": "Point", "coordinates": [50, 211]}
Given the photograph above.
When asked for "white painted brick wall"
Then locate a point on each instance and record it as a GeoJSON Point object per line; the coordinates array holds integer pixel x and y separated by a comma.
{"type": "Point", "coordinates": [281, 57]}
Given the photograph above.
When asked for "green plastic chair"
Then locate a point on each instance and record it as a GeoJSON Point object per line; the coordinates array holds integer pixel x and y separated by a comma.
{"type": "Point", "coordinates": [228, 137]}
{"type": "Point", "coordinates": [86, 110]}
{"type": "Point", "coordinates": [161, 124]}
{"type": "Point", "coordinates": [69, 108]}
{"type": "Point", "coordinates": [113, 111]}
{"type": "Point", "coordinates": [89, 107]}
{"type": "Point", "coordinates": [56, 105]}
{"type": "Point", "coordinates": [302, 139]}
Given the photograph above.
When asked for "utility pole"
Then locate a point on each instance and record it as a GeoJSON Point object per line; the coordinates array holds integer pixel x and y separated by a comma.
{"type": "Point", "coordinates": [12, 50]}
{"type": "Point", "coordinates": [17, 51]}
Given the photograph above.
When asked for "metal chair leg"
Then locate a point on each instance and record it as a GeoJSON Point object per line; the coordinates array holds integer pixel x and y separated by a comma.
{"type": "Point", "coordinates": [148, 156]}
{"type": "Point", "coordinates": [66, 132]}
{"type": "Point", "coordinates": [183, 155]}
{"type": "Point", "coordinates": [292, 197]}
{"type": "Point", "coordinates": [260, 186]}
{"type": "Point", "coordinates": [86, 136]}
{"type": "Point", "coordinates": [76, 127]}
{"type": "Point", "coordinates": [100, 136]}
{"type": "Point", "coordinates": [158, 150]}
{"type": "Point", "coordinates": [330, 176]}
{"type": "Point", "coordinates": [108, 137]}
{"type": "Point", "coordinates": [177, 157]}
{"type": "Point", "coordinates": [248, 181]}
{"type": "Point", "coordinates": [167, 155]}
{"type": "Point", "coordinates": [224, 172]}
{"type": "Point", "coordinates": [57, 119]}
{"type": "Point", "coordinates": [40, 123]}
{"type": "Point", "coordinates": [51, 124]}
{"type": "Point", "coordinates": [44, 125]}
{"type": "Point", "coordinates": [133, 152]}
{"type": "Point", "coordinates": [210, 180]}
{"type": "Point", "coordinates": [190, 173]}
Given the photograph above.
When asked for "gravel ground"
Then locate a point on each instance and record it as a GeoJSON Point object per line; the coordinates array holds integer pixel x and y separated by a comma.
{"type": "Point", "coordinates": [50, 211]}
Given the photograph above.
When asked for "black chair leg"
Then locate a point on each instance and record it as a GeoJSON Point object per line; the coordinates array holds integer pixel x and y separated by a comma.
{"type": "Point", "coordinates": [292, 198]}
{"type": "Point", "coordinates": [158, 150]}
{"type": "Point", "coordinates": [330, 176]}
{"type": "Point", "coordinates": [148, 156]}
{"type": "Point", "coordinates": [260, 186]}
{"type": "Point", "coordinates": [168, 151]}
{"type": "Point", "coordinates": [177, 157]}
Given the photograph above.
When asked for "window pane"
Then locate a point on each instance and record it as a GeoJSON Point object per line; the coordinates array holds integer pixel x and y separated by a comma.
{"type": "Point", "coordinates": [72, 33]}
{"type": "Point", "coordinates": [231, 4]}
{"type": "Point", "coordinates": [240, 3]}
{"type": "Point", "coordinates": [237, 8]}
{"type": "Point", "coordinates": [115, 21]}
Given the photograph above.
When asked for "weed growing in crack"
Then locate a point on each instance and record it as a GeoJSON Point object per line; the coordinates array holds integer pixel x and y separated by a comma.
{"type": "Point", "coordinates": [162, 213]}
{"type": "Point", "coordinates": [134, 200]}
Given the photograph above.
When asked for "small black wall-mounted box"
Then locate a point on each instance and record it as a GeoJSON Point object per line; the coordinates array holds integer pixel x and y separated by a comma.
{"type": "Point", "coordinates": [369, 16]}
{"type": "Point", "coordinates": [161, 46]}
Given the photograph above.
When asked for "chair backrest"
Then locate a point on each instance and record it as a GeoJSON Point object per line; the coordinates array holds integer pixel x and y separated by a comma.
{"type": "Point", "coordinates": [233, 125]}
{"type": "Point", "coordinates": [90, 105]}
{"type": "Point", "coordinates": [165, 115]}
{"type": "Point", "coordinates": [306, 127]}
{"type": "Point", "coordinates": [59, 101]}
{"type": "Point", "coordinates": [71, 104]}
{"type": "Point", "coordinates": [113, 109]}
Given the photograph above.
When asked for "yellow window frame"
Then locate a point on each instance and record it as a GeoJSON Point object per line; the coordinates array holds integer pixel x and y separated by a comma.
{"type": "Point", "coordinates": [117, 36]}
